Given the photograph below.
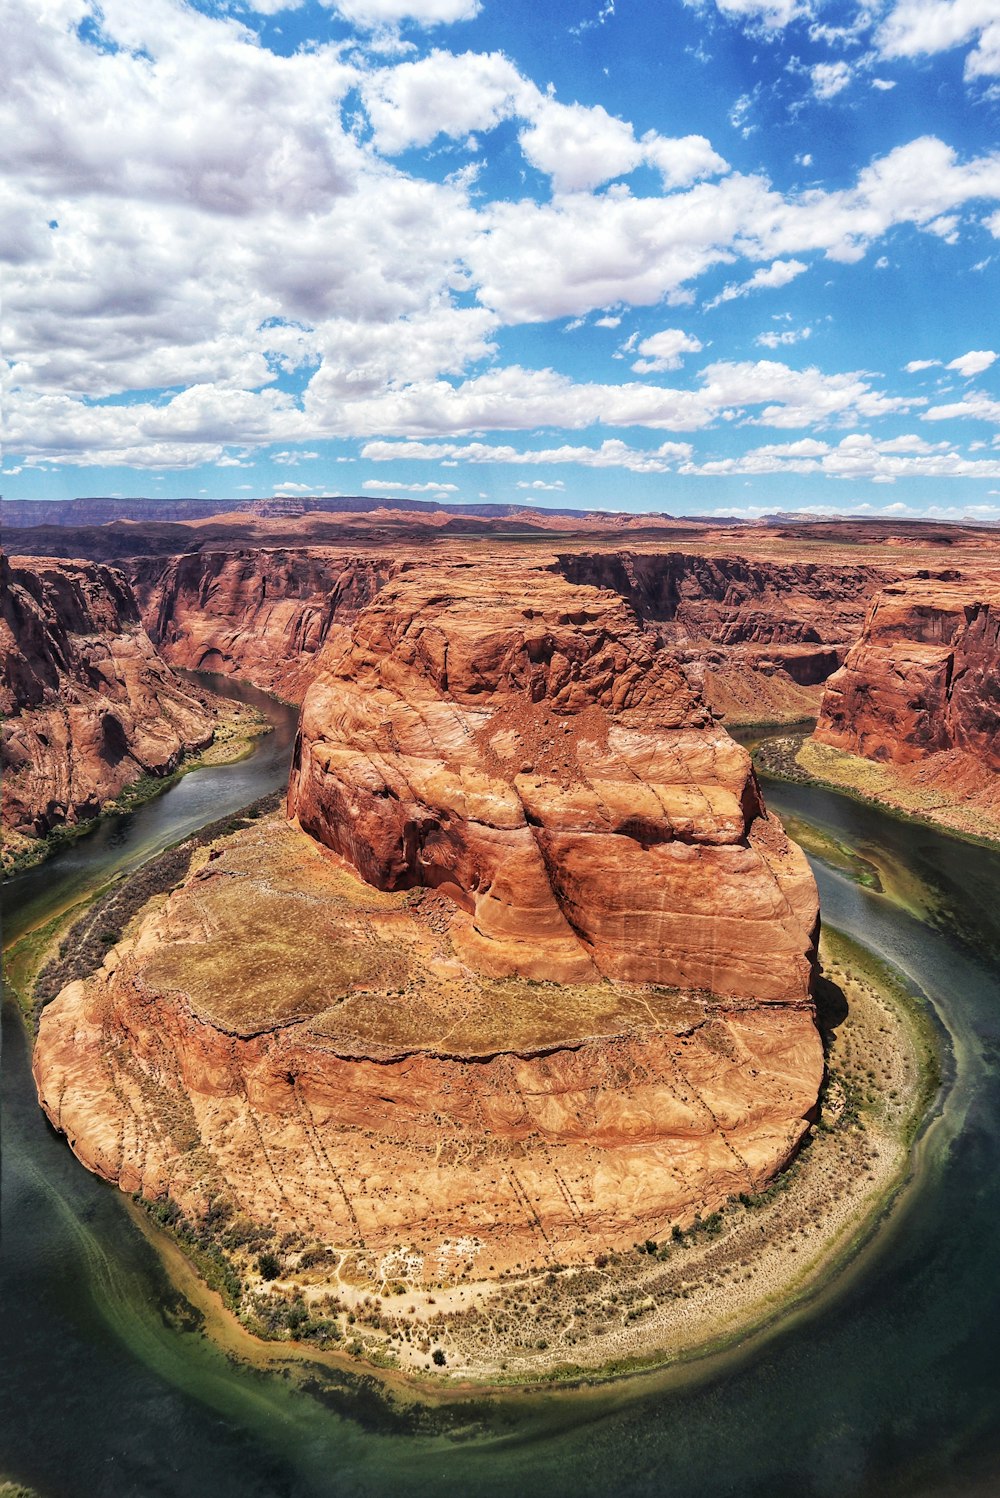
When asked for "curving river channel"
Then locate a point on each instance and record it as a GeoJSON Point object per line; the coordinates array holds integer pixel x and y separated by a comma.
{"type": "Point", "coordinates": [889, 1383]}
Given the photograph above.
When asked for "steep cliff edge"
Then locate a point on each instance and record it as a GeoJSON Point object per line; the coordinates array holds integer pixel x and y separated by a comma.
{"type": "Point", "coordinates": [520, 742]}
{"type": "Point", "coordinates": [89, 706]}
{"type": "Point", "coordinates": [762, 635]}
{"type": "Point", "coordinates": [531, 977]}
{"type": "Point", "coordinates": [919, 695]}
{"type": "Point", "coordinates": [256, 613]}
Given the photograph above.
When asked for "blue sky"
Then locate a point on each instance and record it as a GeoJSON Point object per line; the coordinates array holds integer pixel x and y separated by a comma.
{"type": "Point", "coordinates": [720, 257]}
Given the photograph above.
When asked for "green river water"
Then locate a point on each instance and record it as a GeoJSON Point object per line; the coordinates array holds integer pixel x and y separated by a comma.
{"type": "Point", "coordinates": [888, 1383]}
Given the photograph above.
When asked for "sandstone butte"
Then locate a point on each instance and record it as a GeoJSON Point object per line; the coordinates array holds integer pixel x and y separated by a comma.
{"type": "Point", "coordinates": [525, 976]}
{"type": "Point", "coordinates": [920, 693]}
{"type": "Point", "coordinates": [89, 706]}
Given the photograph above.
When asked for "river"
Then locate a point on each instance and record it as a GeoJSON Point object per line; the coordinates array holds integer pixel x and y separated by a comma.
{"type": "Point", "coordinates": [889, 1384]}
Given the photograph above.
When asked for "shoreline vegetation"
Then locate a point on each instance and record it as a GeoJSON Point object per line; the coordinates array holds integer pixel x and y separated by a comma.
{"type": "Point", "coordinates": [662, 1304]}
{"type": "Point", "coordinates": [235, 736]}
{"type": "Point", "coordinates": [799, 759]}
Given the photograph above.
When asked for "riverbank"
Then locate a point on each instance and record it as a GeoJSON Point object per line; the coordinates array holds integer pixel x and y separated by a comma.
{"type": "Point", "coordinates": [237, 730]}
{"type": "Point", "coordinates": [659, 1304]}
{"type": "Point", "coordinates": [723, 1280]}
{"type": "Point", "coordinates": [895, 789]}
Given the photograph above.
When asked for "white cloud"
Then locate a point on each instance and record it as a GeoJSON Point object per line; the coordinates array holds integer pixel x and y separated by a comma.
{"type": "Point", "coordinates": [442, 94]}
{"type": "Point", "coordinates": [772, 15]}
{"type": "Point", "coordinates": [783, 339]}
{"type": "Point", "coordinates": [410, 488]}
{"type": "Point", "coordinates": [915, 28]}
{"type": "Point", "coordinates": [612, 453]}
{"type": "Point", "coordinates": [665, 350]}
{"type": "Point", "coordinates": [375, 13]}
{"type": "Point", "coordinates": [915, 366]}
{"type": "Point", "coordinates": [830, 78]}
{"type": "Point", "coordinates": [975, 407]}
{"type": "Point", "coordinates": [540, 484]}
{"type": "Point", "coordinates": [858, 456]}
{"type": "Point", "coordinates": [778, 274]}
{"type": "Point", "coordinates": [973, 363]}
{"type": "Point", "coordinates": [292, 459]}
{"type": "Point", "coordinates": [288, 487]}
{"type": "Point", "coordinates": [582, 146]}
{"type": "Point", "coordinates": [883, 84]}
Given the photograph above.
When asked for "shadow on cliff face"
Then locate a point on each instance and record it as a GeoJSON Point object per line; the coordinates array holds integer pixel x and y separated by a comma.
{"type": "Point", "coordinates": [831, 1008]}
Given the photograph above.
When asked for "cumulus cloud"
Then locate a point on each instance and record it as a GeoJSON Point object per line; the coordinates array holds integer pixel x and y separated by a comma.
{"type": "Point", "coordinates": [540, 484]}
{"type": "Point", "coordinates": [830, 78]}
{"type": "Point", "coordinates": [973, 363]}
{"type": "Point", "coordinates": [612, 453]}
{"type": "Point", "coordinates": [580, 147]}
{"type": "Point", "coordinates": [778, 274]}
{"type": "Point", "coordinates": [771, 15]}
{"type": "Point", "coordinates": [858, 456]}
{"type": "Point", "coordinates": [375, 13]}
{"type": "Point", "coordinates": [916, 28]}
{"type": "Point", "coordinates": [662, 351]}
{"type": "Point", "coordinates": [442, 94]}
{"type": "Point", "coordinates": [784, 338]}
{"type": "Point", "coordinates": [409, 488]}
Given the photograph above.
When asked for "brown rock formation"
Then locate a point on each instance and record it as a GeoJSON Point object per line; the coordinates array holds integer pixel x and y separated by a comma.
{"type": "Point", "coordinates": [764, 634]}
{"type": "Point", "coordinates": [920, 690]}
{"type": "Point", "coordinates": [259, 614]}
{"type": "Point", "coordinates": [319, 1055]}
{"type": "Point", "coordinates": [521, 743]}
{"type": "Point", "coordinates": [89, 705]}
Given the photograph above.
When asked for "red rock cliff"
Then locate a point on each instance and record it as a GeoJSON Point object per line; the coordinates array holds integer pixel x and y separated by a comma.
{"type": "Point", "coordinates": [256, 613]}
{"type": "Point", "coordinates": [520, 743]}
{"type": "Point", "coordinates": [89, 705]}
{"type": "Point", "coordinates": [923, 678]}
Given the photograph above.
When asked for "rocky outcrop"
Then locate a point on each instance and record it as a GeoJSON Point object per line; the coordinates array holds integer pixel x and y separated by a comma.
{"type": "Point", "coordinates": [89, 706]}
{"type": "Point", "coordinates": [318, 1056]}
{"type": "Point", "coordinates": [530, 978]}
{"type": "Point", "coordinates": [733, 600]}
{"type": "Point", "coordinates": [256, 613]}
{"type": "Point", "coordinates": [920, 691]}
{"type": "Point", "coordinates": [762, 635]}
{"type": "Point", "coordinates": [520, 743]}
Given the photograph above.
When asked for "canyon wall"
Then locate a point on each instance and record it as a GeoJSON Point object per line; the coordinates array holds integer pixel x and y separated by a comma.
{"type": "Point", "coordinates": [256, 613]}
{"type": "Point", "coordinates": [763, 635]}
{"type": "Point", "coordinates": [89, 706]}
{"type": "Point", "coordinates": [919, 694]}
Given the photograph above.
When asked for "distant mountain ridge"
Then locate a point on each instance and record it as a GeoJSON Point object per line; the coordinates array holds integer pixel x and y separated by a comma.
{"type": "Point", "coordinates": [101, 511]}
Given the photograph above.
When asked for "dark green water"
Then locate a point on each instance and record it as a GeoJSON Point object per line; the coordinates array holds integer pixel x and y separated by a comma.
{"type": "Point", "coordinates": [889, 1384]}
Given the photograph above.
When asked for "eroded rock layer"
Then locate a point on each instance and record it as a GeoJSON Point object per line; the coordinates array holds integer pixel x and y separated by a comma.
{"type": "Point", "coordinates": [318, 1055]}
{"type": "Point", "coordinates": [89, 705]}
{"type": "Point", "coordinates": [920, 690]}
{"type": "Point", "coordinates": [520, 743]}
{"type": "Point", "coordinates": [762, 635]}
{"type": "Point", "coordinates": [257, 613]}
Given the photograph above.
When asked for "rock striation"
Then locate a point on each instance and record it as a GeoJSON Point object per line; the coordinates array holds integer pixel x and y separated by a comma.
{"type": "Point", "coordinates": [89, 706]}
{"type": "Point", "coordinates": [762, 634]}
{"type": "Point", "coordinates": [259, 613]}
{"type": "Point", "coordinates": [522, 744]}
{"type": "Point", "coordinates": [920, 695]}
